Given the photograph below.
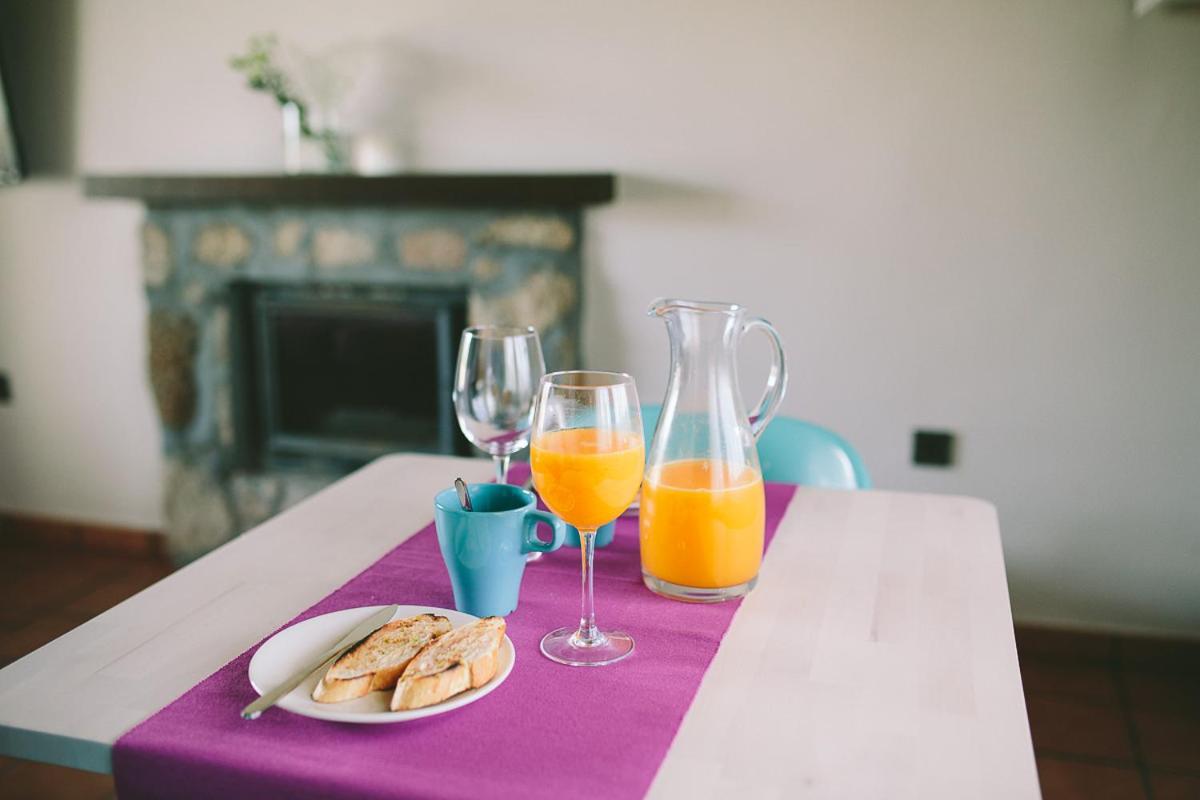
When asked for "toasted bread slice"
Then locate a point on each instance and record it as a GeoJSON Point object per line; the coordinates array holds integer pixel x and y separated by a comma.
{"type": "Point", "coordinates": [465, 658]}
{"type": "Point", "coordinates": [377, 661]}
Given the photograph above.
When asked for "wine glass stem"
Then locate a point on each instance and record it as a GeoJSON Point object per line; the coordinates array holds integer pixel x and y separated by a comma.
{"type": "Point", "coordinates": [588, 634]}
{"type": "Point", "coordinates": [501, 463]}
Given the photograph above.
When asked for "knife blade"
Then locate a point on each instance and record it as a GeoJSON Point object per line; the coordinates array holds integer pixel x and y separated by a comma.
{"type": "Point", "coordinates": [376, 620]}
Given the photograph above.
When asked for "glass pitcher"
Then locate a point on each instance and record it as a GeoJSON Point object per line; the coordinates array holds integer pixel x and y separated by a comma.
{"type": "Point", "coordinates": [703, 508]}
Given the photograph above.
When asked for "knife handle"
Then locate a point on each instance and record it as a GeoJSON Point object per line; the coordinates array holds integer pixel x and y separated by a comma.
{"type": "Point", "coordinates": [272, 697]}
{"type": "Point", "coordinates": [364, 628]}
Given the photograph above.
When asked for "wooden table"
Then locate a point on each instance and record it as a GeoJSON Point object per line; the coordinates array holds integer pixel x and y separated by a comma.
{"type": "Point", "coordinates": [875, 658]}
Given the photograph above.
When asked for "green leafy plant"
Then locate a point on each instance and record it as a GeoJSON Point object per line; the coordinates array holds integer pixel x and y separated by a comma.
{"type": "Point", "coordinates": [264, 75]}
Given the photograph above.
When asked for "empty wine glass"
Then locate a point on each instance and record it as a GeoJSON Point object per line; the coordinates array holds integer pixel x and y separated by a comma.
{"type": "Point", "coordinates": [497, 376]}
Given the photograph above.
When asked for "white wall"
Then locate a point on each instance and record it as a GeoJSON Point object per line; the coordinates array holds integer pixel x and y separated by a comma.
{"type": "Point", "coordinates": [976, 215]}
{"type": "Point", "coordinates": [80, 439]}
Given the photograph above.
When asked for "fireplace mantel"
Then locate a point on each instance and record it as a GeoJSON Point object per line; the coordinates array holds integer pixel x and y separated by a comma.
{"type": "Point", "coordinates": [424, 189]}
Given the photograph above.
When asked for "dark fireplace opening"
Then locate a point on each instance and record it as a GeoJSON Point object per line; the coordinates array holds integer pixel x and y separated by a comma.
{"type": "Point", "coordinates": [343, 374]}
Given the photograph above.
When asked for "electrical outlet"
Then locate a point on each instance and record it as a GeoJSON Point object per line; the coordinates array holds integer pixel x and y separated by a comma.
{"type": "Point", "coordinates": [5, 389]}
{"type": "Point", "coordinates": [933, 448]}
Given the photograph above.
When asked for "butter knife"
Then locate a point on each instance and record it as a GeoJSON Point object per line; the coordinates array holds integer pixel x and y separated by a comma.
{"type": "Point", "coordinates": [376, 620]}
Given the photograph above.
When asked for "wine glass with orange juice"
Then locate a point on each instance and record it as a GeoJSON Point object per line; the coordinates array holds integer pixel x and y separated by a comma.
{"type": "Point", "coordinates": [587, 458]}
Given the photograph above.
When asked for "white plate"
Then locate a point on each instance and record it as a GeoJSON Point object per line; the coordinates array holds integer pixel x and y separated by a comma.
{"type": "Point", "coordinates": [287, 651]}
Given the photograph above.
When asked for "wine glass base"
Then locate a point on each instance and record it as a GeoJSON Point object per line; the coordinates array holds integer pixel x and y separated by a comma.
{"type": "Point", "coordinates": [564, 646]}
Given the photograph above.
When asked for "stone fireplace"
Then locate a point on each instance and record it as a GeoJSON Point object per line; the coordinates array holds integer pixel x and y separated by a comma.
{"type": "Point", "coordinates": [296, 334]}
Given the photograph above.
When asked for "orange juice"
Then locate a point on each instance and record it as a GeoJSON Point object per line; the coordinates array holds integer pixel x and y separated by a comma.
{"type": "Point", "coordinates": [587, 476]}
{"type": "Point", "coordinates": [702, 523]}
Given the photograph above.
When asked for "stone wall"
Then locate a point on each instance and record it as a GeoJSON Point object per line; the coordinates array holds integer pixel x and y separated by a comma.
{"type": "Point", "coordinates": [517, 268]}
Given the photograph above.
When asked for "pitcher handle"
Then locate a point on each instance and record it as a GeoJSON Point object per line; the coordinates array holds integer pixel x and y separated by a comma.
{"type": "Point", "coordinates": [776, 380]}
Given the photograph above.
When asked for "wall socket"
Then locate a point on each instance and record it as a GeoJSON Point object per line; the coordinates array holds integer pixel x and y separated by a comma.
{"type": "Point", "coordinates": [933, 448]}
{"type": "Point", "coordinates": [5, 389]}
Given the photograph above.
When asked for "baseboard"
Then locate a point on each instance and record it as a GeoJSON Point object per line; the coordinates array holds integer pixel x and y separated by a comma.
{"type": "Point", "coordinates": [38, 531]}
{"type": "Point", "coordinates": [1107, 629]}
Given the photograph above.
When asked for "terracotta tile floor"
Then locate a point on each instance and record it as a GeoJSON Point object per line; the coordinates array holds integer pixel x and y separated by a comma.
{"type": "Point", "coordinates": [1112, 717]}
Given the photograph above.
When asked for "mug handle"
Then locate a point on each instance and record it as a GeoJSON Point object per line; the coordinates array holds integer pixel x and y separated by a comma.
{"type": "Point", "coordinates": [535, 545]}
{"type": "Point", "coordinates": [776, 380]}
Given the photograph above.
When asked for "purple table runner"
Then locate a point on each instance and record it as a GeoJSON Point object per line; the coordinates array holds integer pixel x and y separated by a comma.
{"type": "Point", "coordinates": [549, 731]}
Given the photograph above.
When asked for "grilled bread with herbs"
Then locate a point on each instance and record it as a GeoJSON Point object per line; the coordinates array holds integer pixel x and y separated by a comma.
{"type": "Point", "coordinates": [465, 658]}
{"type": "Point", "coordinates": [376, 662]}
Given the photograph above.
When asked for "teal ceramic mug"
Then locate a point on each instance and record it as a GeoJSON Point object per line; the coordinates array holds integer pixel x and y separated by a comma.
{"type": "Point", "coordinates": [484, 549]}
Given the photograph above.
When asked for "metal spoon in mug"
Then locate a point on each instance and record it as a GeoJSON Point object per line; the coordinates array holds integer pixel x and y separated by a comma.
{"type": "Point", "coordinates": [464, 497]}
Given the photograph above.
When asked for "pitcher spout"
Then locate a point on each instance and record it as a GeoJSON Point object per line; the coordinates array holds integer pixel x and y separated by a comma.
{"type": "Point", "coordinates": [665, 305]}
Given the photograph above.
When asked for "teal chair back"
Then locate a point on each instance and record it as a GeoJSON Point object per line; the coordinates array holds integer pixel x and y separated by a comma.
{"type": "Point", "coordinates": [794, 451]}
